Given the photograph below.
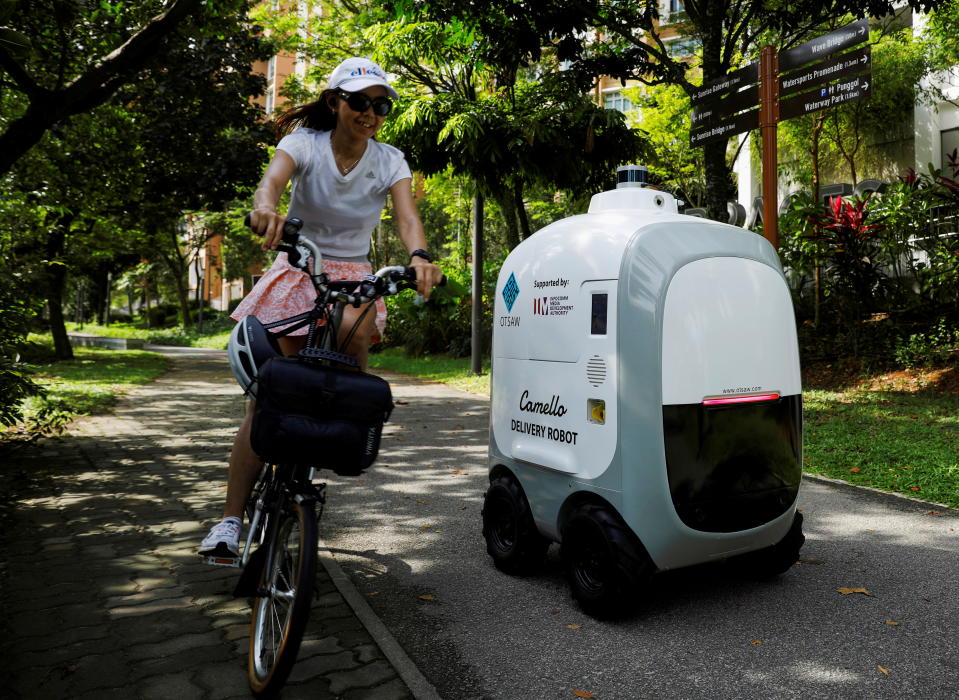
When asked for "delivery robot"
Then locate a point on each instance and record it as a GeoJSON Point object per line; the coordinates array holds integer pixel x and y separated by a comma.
{"type": "Point", "coordinates": [646, 399]}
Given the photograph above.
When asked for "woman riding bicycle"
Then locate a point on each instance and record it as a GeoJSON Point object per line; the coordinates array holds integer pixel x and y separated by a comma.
{"type": "Point", "coordinates": [340, 178]}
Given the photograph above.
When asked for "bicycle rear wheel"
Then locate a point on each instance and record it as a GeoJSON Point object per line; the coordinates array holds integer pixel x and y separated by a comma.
{"type": "Point", "coordinates": [282, 605]}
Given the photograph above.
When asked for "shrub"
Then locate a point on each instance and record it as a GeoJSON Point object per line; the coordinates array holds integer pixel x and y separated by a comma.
{"type": "Point", "coordinates": [16, 312]}
{"type": "Point", "coordinates": [444, 323]}
{"type": "Point", "coordinates": [934, 347]}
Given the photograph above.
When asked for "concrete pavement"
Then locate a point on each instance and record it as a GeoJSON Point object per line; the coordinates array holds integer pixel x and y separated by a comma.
{"type": "Point", "coordinates": [102, 591]}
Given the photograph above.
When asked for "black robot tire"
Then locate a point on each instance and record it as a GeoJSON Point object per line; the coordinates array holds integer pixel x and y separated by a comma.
{"type": "Point", "coordinates": [606, 565]}
{"type": "Point", "coordinates": [512, 539]}
{"type": "Point", "coordinates": [777, 559]}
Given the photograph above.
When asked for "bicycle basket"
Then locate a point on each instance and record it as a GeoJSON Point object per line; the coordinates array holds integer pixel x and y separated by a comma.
{"type": "Point", "coordinates": [319, 416]}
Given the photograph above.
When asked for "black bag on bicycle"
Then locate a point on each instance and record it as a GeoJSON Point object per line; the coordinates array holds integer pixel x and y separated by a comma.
{"type": "Point", "coordinates": [319, 416]}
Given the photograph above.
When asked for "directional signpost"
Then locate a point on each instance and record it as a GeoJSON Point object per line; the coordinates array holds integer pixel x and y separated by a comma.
{"type": "Point", "coordinates": [727, 106]}
{"type": "Point", "coordinates": [718, 100]}
{"type": "Point", "coordinates": [829, 96]}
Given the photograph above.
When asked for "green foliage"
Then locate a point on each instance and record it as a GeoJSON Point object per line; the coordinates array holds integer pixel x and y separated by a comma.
{"type": "Point", "coordinates": [942, 30]}
{"type": "Point", "coordinates": [16, 381]}
{"type": "Point", "coordinates": [442, 324]}
{"type": "Point", "coordinates": [931, 348]}
{"type": "Point", "coordinates": [887, 268]}
{"type": "Point", "coordinates": [241, 248]}
{"type": "Point", "coordinates": [109, 187]}
{"type": "Point", "coordinates": [665, 119]}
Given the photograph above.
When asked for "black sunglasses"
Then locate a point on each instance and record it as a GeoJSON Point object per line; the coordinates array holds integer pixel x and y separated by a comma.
{"type": "Point", "coordinates": [359, 102]}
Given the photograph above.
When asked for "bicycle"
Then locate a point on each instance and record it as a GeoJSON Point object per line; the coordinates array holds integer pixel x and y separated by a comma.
{"type": "Point", "coordinates": [280, 550]}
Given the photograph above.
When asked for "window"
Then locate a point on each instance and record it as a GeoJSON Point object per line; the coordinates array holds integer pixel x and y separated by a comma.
{"type": "Point", "coordinates": [618, 101]}
{"type": "Point", "coordinates": [681, 48]}
{"type": "Point", "coordinates": [949, 140]}
{"type": "Point", "coordinates": [672, 11]}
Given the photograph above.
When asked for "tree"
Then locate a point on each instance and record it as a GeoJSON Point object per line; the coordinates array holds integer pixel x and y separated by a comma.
{"type": "Point", "coordinates": [200, 141]}
{"type": "Point", "coordinates": [507, 131]}
{"type": "Point", "coordinates": [41, 62]}
{"type": "Point", "coordinates": [182, 136]}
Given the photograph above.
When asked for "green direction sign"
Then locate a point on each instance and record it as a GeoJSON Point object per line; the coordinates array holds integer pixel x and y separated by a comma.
{"type": "Point", "coordinates": [724, 129]}
{"type": "Point", "coordinates": [825, 45]}
{"type": "Point", "coordinates": [827, 96]}
{"type": "Point", "coordinates": [847, 64]}
{"type": "Point", "coordinates": [715, 89]}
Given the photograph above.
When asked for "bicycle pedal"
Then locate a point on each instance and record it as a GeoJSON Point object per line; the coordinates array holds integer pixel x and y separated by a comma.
{"type": "Point", "coordinates": [232, 562]}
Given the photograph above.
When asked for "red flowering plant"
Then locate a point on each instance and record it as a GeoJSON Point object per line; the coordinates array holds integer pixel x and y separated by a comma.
{"type": "Point", "coordinates": [849, 245]}
{"type": "Point", "coordinates": [948, 187]}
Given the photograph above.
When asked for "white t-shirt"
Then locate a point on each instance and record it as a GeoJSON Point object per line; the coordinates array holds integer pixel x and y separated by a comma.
{"type": "Point", "coordinates": [339, 212]}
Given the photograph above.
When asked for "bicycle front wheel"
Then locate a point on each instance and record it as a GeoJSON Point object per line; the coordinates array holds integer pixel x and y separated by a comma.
{"type": "Point", "coordinates": [282, 605]}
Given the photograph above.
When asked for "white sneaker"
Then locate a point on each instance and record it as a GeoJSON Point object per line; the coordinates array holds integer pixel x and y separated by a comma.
{"type": "Point", "coordinates": [223, 540]}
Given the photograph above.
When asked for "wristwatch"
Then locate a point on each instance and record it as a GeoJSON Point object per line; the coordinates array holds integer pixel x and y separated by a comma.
{"type": "Point", "coordinates": [420, 253]}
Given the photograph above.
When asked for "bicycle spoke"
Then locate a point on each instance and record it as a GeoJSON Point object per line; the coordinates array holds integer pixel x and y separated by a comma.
{"type": "Point", "coordinates": [280, 613]}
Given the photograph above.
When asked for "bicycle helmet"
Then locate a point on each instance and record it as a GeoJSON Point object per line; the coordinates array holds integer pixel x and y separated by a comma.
{"type": "Point", "coordinates": [250, 346]}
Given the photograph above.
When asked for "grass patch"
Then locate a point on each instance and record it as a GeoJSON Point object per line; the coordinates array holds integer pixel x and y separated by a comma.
{"type": "Point", "coordinates": [454, 371]}
{"type": "Point", "coordinates": [90, 383]}
{"type": "Point", "coordinates": [216, 333]}
{"type": "Point", "coordinates": [895, 441]}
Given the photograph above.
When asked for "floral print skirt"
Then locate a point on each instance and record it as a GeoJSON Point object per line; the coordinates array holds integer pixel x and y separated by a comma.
{"type": "Point", "coordinates": [285, 291]}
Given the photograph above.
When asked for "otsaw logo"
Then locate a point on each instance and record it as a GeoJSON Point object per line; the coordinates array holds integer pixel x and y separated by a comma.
{"type": "Point", "coordinates": [510, 292]}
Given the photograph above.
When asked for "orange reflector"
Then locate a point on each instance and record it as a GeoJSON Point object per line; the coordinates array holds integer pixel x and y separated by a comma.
{"type": "Point", "coordinates": [726, 400]}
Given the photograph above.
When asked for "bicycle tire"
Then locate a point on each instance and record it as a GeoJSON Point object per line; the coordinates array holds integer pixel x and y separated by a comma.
{"type": "Point", "coordinates": [285, 592]}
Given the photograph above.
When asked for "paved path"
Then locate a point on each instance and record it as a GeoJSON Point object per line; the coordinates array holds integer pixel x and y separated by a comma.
{"type": "Point", "coordinates": [102, 592]}
{"type": "Point", "coordinates": [104, 597]}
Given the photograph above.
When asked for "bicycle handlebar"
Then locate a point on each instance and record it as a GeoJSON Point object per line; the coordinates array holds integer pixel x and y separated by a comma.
{"type": "Point", "coordinates": [386, 281]}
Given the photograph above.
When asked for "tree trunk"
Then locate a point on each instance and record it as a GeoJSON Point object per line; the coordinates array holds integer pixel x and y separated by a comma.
{"type": "Point", "coordinates": [506, 205]}
{"type": "Point", "coordinates": [100, 295]}
{"type": "Point", "coordinates": [56, 280]}
{"type": "Point", "coordinates": [61, 343]}
{"type": "Point", "coordinates": [477, 345]}
{"type": "Point", "coordinates": [717, 180]}
{"type": "Point", "coordinates": [521, 213]}
{"type": "Point", "coordinates": [179, 268]}
{"type": "Point", "coordinates": [146, 300]}
{"type": "Point", "coordinates": [717, 171]}
{"type": "Point", "coordinates": [182, 295]}
{"type": "Point", "coordinates": [818, 122]}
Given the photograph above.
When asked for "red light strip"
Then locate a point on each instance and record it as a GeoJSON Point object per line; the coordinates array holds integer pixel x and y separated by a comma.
{"type": "Point", "coordinates": [740, 399]}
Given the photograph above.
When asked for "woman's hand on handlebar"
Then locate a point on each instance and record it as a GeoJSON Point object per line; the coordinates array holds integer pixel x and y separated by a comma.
{"type": "Point", "coordinates": [267, 223]}
{"type": "Point", "coordinates": [428, 276]}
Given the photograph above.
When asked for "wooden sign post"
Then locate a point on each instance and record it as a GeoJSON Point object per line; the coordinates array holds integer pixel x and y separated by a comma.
{"type": "Point", "coordinates": [768, 119]}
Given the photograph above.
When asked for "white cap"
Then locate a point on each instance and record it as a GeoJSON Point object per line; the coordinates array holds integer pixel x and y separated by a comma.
{"type": "Point", "coordinates": [354, 74]}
